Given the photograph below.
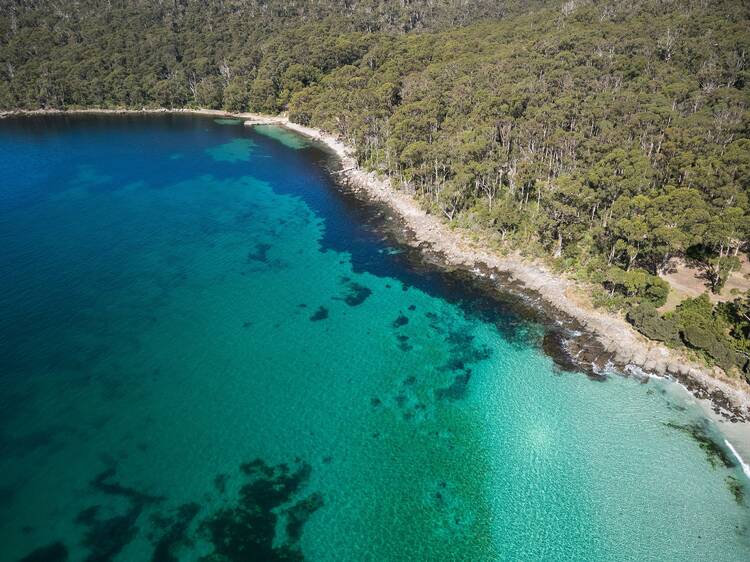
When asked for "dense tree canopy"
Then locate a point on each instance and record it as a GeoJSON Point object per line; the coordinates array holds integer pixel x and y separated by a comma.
{"type": "Point", "coordinates": [609, 135]}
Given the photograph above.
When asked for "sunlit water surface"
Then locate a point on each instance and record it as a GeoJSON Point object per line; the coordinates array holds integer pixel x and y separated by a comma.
{"type": "Point", "coordinates": [206, 352]}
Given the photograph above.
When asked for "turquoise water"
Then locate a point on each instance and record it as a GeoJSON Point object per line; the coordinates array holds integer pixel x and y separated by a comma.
{"type": "Point", "coordinates": [209, 352]}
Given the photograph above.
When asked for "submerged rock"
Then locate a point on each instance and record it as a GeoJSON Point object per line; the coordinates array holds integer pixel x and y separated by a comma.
{"type": "Point", "coordinates": [715, 454]}
{"type": "Point", "coordinates": [246, 530]}
{"type": "Point", "coordinates": [553, 345]}
{"type": "Point", "coordinates": [220, 482]}
{"type": "Point", "coordinates": [403, 344]}
{"type": "Point", "coordinates": [457, 390]}
{"type": "Point", "coordinates": [259, 254]}
{"type": "Point", "coordinates": [737, 490]}
{"type": "Point", "coordinates": [105, 538]}
{"type": "Point", "coordinates": [298, 514]}
{"type": "Point", "coordinates": [176, 534]}
{"type": "Point", "coordinates": [401, 320]}
{"type": "Point", "coordinates": [320, 314]}
{"type": "Point", "coordinates": [55, 552]}
{"type": "Point", "coordinates": [358, 295]}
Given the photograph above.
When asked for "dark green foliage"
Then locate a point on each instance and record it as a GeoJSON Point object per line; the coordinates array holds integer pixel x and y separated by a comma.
{"type": "Point", "coordinates": [716, 268]}
{"type": "Point", "coordinates": [701, 326]}
{"type": "Point", "coordinates": [736, 314]}
{"type": "Point", "coordinates": [718, 271]}
{"type": "Point", "coordinates": [649, 322]}
{"type": "Point", "coordinates": [638, 283]}
{"type": "Point", "coordinates": [710, 342]}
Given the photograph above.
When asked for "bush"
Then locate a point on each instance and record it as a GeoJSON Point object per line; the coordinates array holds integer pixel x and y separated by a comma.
{"type": "Point", "coordinates": [647, 320]}
{"type": "Point", "coordinates": [704, 340]}
{"type": "Point", "coordinates": [638, 283]}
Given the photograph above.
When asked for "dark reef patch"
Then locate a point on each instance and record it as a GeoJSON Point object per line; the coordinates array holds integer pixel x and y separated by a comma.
{"type": "Point", "coordinates": [356, 293]}
{"type": "Point", "coordinates": [55, 552]}
{"type": "Point", "coordinates": [715, 454]}
{"type": "Point", "coordinates": [105, 538]}
{"type": "Point", "coordinates": [401, 320]}
{"type": "Point", "coordinates": [253, 467]}
{"type": "Point", "coordinates": [176, 534]}
{"type": "Point", "coordinates": [20, 446]}
{"type": "Point", "coordinates": [259, 253]}
{"type": "Point", "coordinates": [264, 522]}
{"type": "Point", "coordinates": [553, 345]}
{"type": "Point", "coordinates": [101, 484]}
{"type": "Point", "coordinates": [403, 343]}
{"type": "Point", "coordinates": [298, 514]}
{"type": "Point", "coordinates": [463, 351]}
{"type": "Point", "coordinates": [246, 531]}
{"type": "Point", "coordinates": [220, 483]}
{"type": "Point", "coordinates": [320, 314]}
{"type": "Point", "coordinates": [457, 389]}
{"type": "Point", "coordinates": [735, 487]}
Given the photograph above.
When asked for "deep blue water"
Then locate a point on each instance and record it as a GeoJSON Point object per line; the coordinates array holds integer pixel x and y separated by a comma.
{"type": "Point", "coordinates": [209, 350]}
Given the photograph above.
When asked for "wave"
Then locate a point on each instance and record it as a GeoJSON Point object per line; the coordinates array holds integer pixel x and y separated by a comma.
{"type": "Point", "coordinates": [743, 464]}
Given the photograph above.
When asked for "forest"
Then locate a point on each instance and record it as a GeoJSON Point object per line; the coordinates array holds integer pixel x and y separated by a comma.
{"type": "Point", "coordinates": [608, 137]}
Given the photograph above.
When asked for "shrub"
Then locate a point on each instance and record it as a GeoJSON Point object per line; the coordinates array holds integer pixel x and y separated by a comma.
{"type": "Point", "coordinates": [704, 340]}
{"type": "Point", "coordinates": [647, 320]}
{"type": "Point", "coordinates": [638, 283]}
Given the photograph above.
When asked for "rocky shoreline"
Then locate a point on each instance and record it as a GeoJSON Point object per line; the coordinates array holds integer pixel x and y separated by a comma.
{"type": "Point", "coordinates": [593, 339]}
{"type": "Point", "coordinates": [582, 339]}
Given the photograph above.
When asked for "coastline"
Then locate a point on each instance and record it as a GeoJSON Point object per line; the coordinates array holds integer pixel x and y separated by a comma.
{"type": "Point", "coordinates": [619, 345]}
{"type": "Point", "coordinates": [604, 340]}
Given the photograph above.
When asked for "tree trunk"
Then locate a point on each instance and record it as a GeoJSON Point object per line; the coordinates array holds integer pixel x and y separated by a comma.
{"type": "Point", "coordinates": [558, 249]}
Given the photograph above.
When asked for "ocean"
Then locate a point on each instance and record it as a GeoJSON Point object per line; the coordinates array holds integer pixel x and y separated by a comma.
{"type": "Point", "coordinates": [211, 351]}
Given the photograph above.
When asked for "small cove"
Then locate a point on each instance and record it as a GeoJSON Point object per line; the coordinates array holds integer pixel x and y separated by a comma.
{"type": "Point", "coordinates": [209, 348]}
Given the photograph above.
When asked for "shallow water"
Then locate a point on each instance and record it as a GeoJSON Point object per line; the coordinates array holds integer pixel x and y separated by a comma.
{"type": "Point", "coordinates": [207, 350]}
